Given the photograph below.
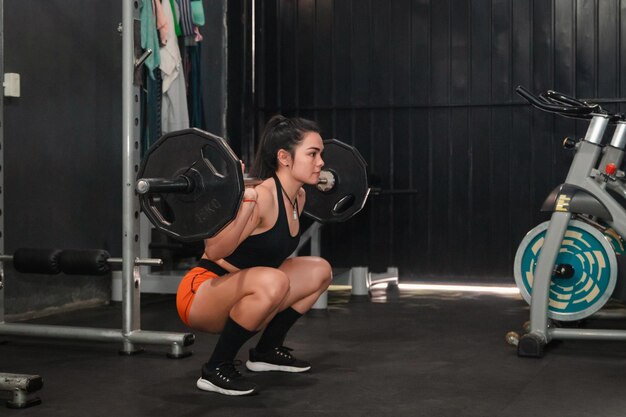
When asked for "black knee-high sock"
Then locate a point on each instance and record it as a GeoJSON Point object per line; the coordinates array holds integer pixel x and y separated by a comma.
{"type": "Point", "coordinates": [231, 340]}
{"type": "Point", "coordinates": [276, 330]}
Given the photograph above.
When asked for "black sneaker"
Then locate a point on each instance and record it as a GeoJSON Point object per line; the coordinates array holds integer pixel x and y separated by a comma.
{"type": "Point", "coordinates": [277, 359]}
{"type": "Point", "coordinates": [225, 379]}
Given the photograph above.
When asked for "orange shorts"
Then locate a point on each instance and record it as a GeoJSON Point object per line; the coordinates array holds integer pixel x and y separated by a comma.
{"type": "Point", "coordinates": [187, 290]}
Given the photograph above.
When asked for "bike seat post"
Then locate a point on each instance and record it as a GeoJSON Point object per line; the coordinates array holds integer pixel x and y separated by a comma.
{"type": "Point", "coordinates": [619, 136]}
{"type": "Point", "coordinates": [596, 128]}
{"type": "Point", "coordinates": [588, 154]}
{"type": "Point", "coordinates": [614, 153]}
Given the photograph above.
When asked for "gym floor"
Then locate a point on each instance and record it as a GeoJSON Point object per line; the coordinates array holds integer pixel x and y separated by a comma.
{"type": "Point", "coordinates": [405, 353]}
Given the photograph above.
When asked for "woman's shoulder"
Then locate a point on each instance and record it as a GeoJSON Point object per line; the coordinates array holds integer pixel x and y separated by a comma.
{"type": "Point", "coordinates": [267, 186]}
{"type": "Point", "coordinates": [266, 192]}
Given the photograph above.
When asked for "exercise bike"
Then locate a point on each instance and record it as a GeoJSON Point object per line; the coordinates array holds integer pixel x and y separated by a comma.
{"type": "Point", "coordinates": [567, 268]}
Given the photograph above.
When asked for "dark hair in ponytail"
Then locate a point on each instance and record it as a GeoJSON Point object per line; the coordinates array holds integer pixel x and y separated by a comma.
{"type": "Point", "coordinates": [280, 132]}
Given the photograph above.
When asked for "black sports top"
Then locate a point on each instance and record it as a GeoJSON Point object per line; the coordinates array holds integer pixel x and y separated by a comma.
{"type": "Point", "coordinates": [271, 247]}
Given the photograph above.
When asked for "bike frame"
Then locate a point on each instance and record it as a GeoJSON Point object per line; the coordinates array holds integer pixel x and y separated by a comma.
{"type": "Point", "coordinates": [584, 190]}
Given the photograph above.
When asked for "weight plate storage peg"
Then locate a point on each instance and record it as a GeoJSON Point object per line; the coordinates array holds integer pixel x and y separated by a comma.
{"type": "Point", "coordinates": [212, 172]}
{"type": "Point", "coordinates": [585, 273]}
{"type": "Point", "coordinates": [346, 170]}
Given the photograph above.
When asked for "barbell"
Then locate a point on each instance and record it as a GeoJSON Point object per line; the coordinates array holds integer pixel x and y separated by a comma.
{"type": "Point", "coordinates": [190, 184]}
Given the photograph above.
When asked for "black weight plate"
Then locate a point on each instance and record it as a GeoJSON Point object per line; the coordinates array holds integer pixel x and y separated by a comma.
{"type": "Point", "coordinates": [214, 169]}
{"type": "Point", "coordinates": [350, 192]}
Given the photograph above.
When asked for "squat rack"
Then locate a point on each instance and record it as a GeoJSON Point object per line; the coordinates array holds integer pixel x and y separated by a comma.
{"type": "Point", "coordinates": [130, 332]}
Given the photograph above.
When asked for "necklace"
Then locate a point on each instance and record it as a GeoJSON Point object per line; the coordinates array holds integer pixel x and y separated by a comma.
{"type": "Point", "coordinates": [294, 204]}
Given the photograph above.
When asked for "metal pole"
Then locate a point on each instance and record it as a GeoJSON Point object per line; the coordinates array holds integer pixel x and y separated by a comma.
{"type": "Point", "coordinates": [95, 334]}
{"type": "Point", "coordinates": [316, 250]}
{"type": "Point", "coordinates": [358, 280]}
{"type": "Point", "coordinates": [543, 274]}
{"type": "Point", "coordinates": [587, 334]}
{"type": "Point", "coordinates": [130, 282]}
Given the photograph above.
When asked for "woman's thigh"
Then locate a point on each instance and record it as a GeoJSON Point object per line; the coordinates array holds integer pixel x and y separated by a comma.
{"type": "Point", "coordinates": [216, 297]}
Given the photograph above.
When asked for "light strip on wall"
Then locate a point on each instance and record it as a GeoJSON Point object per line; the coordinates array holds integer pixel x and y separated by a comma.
{"type": "Point", "coordinates": [461, 288]}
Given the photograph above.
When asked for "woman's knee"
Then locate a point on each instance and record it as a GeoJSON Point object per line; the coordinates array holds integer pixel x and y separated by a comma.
{"type": "Point", "coordinates": [270, 284]}
{"type": "Point", "coordinates": [323, 272]}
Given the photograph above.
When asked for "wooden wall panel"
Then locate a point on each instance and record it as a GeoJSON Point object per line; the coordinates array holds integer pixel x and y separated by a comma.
{"type": "Point", "coordinates": [426, 91]}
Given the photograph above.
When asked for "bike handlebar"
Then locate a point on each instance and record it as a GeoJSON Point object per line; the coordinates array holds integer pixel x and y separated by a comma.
{"type": "Point", "coordinates": [562, 98]}
{"type": "Point", "coordinates": [558, 103]}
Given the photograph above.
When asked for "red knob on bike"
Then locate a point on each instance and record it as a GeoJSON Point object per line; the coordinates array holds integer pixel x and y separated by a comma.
{"type": "Point", "coordinates": [610, 169]}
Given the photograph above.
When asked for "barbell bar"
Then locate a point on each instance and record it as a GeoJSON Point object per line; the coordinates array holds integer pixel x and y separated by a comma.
{"type": "Point", "coordinates": [185, 185]}
{"type": "Point", "coordinates": [190, 184]}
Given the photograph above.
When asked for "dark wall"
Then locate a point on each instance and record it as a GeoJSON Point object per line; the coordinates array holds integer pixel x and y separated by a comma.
{"type": "Point", "coordinates": [425, 90]}
{"type": "Point", "coordinates": [63, 136]}
{"type": "Point", "coordinates": [240, 123]}
{"type": "Point", "coordinates": [214, 74]}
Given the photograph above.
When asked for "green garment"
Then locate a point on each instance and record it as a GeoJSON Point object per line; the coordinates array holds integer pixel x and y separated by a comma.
{"type": "Point", "coordinates": [149, 36]}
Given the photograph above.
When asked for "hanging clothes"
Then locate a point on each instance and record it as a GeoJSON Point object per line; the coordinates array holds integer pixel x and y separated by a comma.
{"type": "Point", "coordinates": [174, 113]}
{"type": "Point", "coordinates": [152, 21]}
{"type": "Point", "coordinates": [197, 13]}
{"type": "Point", "coordinates": [149, 38]}
{"type": "Point", "coordinates": [161, 22]}
{"type": "Point", "coordinates": [175, 17]}
{"type": "Point", "coordinates": [190, 51]}
{"type": "Point", "coordinates": [186, 19]}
